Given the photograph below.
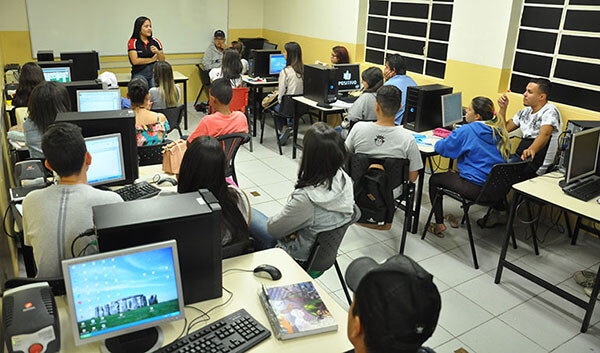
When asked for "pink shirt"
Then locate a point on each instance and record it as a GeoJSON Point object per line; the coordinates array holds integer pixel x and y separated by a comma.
{"type": "Point", "coordinates": [218, 124]}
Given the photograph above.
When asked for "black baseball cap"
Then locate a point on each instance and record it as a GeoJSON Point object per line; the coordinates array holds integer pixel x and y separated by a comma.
{"type": "Point", "coordinates": [219, 34]}
{"type": "Point", "coordinates": [398, 295]}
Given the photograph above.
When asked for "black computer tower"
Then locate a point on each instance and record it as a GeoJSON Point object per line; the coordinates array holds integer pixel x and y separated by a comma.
{"type": "Point", "coordinates": [320, 83]}
{"type": "Point", "coordinates": [251, 43]}
{"type": "Point", "coordinates": [86, 64]}
{"type": "Point", "coordinates": [45, 55]}
{"type": "Point", "coordinates": [74, 86]}
{"type": "Point", "coordinates": [573, 127]}
{"type": "Point", "coordinates": [192, 219]}
{"type": "Point", "coordinates": [423, 109]}
{"type": "Point", "coordinates": [259, 62]}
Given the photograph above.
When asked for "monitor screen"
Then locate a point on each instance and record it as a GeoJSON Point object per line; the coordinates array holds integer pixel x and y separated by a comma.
{"type": "Point", "coordinates": [451, 109]}
{"type": "Point", "coordinates": [122, 291]}
{"type": "Point", "coordinates": [98, 100]}
{"type": "Point", "coordinates": [60, 74]}
{"type": "Point", "coordinates": [348, 77]}
{"type": "Point", "coordinates": [107, 159]}
{"type": "Point", "coordinates": [277, 63]}
{"type": "Point", "coordinates": [583, 155]}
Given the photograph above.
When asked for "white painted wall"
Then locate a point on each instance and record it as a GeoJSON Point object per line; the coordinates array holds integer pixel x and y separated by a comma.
{"type": "Point", "coordinates": [246, 14]}
{"type": "Point", "coordinates": [13, 15]}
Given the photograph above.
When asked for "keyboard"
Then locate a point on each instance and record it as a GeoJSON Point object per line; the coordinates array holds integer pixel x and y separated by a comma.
{"type": "Point", "coordinates": [441, 132]}
{"type": "Point", "coordinates": [141, 190]}
{"type": "Point", "coordinates": [237, 332]}
{"type": "Point", "coordinates": [585, 191]}
{"type": "Point", "coordinates": [272, 79]}
{"type": "Point", "coordinates": [348, 99]}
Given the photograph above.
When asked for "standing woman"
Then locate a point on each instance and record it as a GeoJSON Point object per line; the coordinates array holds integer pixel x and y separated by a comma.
{"type": "Point", "coordinates": [291, 82]}
{"type": "Point", "coordinates": [144, 50]}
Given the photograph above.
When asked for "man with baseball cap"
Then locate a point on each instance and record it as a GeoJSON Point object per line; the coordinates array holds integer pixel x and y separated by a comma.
{"type": "Point", "coordinates": [214, 53]}
{"type": "Point", "coordinates": [396, 305]}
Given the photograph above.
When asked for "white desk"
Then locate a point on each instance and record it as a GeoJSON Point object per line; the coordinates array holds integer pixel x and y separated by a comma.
{"type": "Point", "coordinates": [245, 288]}
{"type": "Point", "coordinates": [256, 87]}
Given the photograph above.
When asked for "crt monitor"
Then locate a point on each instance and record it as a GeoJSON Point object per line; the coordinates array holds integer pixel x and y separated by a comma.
{"type": "Point", "coordinates": [348, 77]}
{"type": "Point", "coordinates": [60, 74]}
{"type": "Point", "coordinates": [277, 63]}
{"type": "Point", "coordinates": [97, 100]}
{"type": "Point", "coordinates": [583, 157]}
{"type": "Point", "coordinates": [85, 64]}
{"type": "Point", "coordinates": [451, 109]}
{"type": "Point", "coordinates": [107, 159]}
{"type": "Point", "coordinates": [119, 292]}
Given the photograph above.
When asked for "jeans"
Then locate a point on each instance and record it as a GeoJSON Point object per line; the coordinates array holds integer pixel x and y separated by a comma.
{"type": "Point", "coordinates": [258, 230]}
{"type": "Point", "coordinates": [283, 120]}
{"type": "Point", "coordinates": [451, 181]}
{"type": "Point", "coordinates": [147, 74]}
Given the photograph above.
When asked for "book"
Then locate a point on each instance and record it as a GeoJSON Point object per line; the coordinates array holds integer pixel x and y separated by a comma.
{"type": "Point", "coordinates": [296, 310]}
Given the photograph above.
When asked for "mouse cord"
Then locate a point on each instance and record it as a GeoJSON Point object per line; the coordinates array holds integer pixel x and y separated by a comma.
{"type": "Point", "coordinates": [197, 320]}
{"type": "Point", "coordinates": [237, 269]}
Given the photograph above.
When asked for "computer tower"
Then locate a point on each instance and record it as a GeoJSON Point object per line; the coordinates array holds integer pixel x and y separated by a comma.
{"type": "Point", "coordinates": [259, 62]}
{"type": "Point", "coordinates": [423, 109]}
{"type": "Point", "coordinates": [252, 43]}
{"type": "Point", "coordinates": [86, 64]}
{"type": "Point", "coordinates": [74, 86]}
{"type": "Point", "coordinates": [192, 219]}
{"type": "Point", "coordinates": [320, 83]}
{"type": "Point", "coordinates": [45, 55]}
{"type": "Point", "coordinates": [573, 127]}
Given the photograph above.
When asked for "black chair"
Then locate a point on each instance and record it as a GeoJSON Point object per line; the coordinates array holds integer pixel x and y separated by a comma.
{"type": "Point", "coordinates": [205, 79]}
{"type": "Point", "coordinates": [323, 254]}
{"type": "Point", "coordinates": [287, 109]}
{"type": "Point", "coordinates": [57, 284]}
{"type": "Point", "coordinates": [499, 182]}
{"type": "Point", "coordinates": [151, 154]}
{"type": "Point", "coordinates": [231, 145]}
{"type": "Point", "coordinates": [174, 116]}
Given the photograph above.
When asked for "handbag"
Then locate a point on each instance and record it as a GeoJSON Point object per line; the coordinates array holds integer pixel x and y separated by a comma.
{"type": "Point", "coordinates": [270, 100]}
{"type": "Point", "coordinates": [172, 156]}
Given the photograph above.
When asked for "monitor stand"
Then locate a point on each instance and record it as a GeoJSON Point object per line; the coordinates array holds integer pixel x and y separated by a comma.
{"type": "Point", "coordinates": [146, 340]}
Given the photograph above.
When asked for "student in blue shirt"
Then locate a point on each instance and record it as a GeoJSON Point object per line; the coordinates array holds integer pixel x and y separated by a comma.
{"type": "Point", "coordinates": [477, 147]}
{"type": "Point", "coordinates": [395, 74]}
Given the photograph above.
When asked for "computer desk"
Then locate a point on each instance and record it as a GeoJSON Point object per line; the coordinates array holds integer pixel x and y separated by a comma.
{"type": "Point", "coordinates": [124, 78]}
{"type": "Point", "coordinates": [245, 289]}
{"type": "Point", "coordinates": [256, 87]}
{"type": "Point", "coordinates": [545, 189]}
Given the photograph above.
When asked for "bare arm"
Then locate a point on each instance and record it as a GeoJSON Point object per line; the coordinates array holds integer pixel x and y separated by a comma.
{"type": "Point", "coordinates": [510, 126]}
{"type": "Point", "coordinates": [135, 60]}
{"type": "Point", "coordinates": [540, 141]}
{"type": "Point", "coordinates": [412, 176]}
{"type": "Point", "coordinates": [160, 55]}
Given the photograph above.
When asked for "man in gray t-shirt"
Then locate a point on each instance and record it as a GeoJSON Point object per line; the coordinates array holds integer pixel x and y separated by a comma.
{"type": "Point", "coordinates": [54, 216]}
{"type": "Point", "coordinates": [382, 138]}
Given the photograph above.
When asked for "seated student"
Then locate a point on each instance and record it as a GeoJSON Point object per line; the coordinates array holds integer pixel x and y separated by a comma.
{"type": "Point", "coordinates": [540, 123]}
{"type": "Point", "coordinates": [395, 74]}
{"type": "Point", "coordinates": [291, 81]}
{"type": "Point", "coordinates": [396, 305]}
{"type": "Point", "coordinates": [109, 80]}
{"type": "Point", "coordinates": [323, 198]}
{"type": "Point", "coordinates": [151, 127]}
{"type": "Point", "coordinates": [239, 46]}
{"type": "Point", "coordinates": [30, 76]}
{"type": "Point", "coordinates": [364, 107]}
{"type": "Point", "coordinates": [230, 70]}
{"type": "Point", "coordinates": [214, 53]}
{"type": "Point", "coordinates": [477, 147]}
{"type": "Point", "coordinates": [54, 216]}
{"type": "Point", "coordinates": [339, 55]}
{"type": "Point", "coordinates": [223, 121]}
{"type": "Point", "coordinates": [46, 101]}
{"type": "Point", "coordinates": [382, 138]}
{"type": "Point", "coordinates": [166, 94]}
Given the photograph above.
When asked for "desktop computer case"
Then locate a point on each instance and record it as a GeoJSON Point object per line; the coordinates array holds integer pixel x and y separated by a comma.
{"type": "Point", "coordinates": [320, 83]}
{"type": "Point", "coordinates": [258, 65]}
{"type": "Point", "coordinates": [424, 107]}
{"type": "Point", "coordinates": [192, 219]}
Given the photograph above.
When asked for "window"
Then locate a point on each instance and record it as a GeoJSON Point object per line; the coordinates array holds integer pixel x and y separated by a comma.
{"type": "Point", "coordinates": [560, 40]}
{"type": "Point", "coordinates": [416, 29]}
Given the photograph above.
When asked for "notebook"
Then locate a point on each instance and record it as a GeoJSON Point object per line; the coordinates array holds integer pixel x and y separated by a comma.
{"type": "Point", "coordinates": [296, 310]}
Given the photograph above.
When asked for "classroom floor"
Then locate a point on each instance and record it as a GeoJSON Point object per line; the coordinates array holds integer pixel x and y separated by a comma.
{"type": "Point", "coordinates": [477, 315]}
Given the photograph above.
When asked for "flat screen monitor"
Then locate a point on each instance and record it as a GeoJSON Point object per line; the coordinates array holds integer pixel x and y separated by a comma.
{"type": "Point", "coordinates": [118, 292]}
{"type": "Point", "coordinates": [277, 63]}
{"type": "Point", "coordinates": [85, 64]}
{"type": "Point", "coordinates": [60, 74]}
{"type": "Point", "coordinates": [348, 77]}
{"type": "Point", "coordinates": [97, 100]}
{"type": "Point", "coordinates": [583, 158]}
{"type": "Point", "coordinates": [107, 159]}
{"type": "Point", "coordinates": [451, 109]}
{"type": "Point", "coordinates": [74, 86]}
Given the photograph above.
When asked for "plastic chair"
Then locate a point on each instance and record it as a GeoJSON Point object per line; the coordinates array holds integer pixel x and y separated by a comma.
{"type": "Point", "coordinates": [151, 154]}
{"type": "Point", "coordinates": [499, 182]}
{"type": "Point", "coordinates": [231, 145]}
{"type": "Point", "coordinates": [239, 102]}
{"type": "Point", "coordinates": [57, 284]}
{"type": "Point", "coordinates": [174, 116]}
{"type": "Point", "coordinates": [205, 79]}
{"type": "Point", "coordinates": [20, 114]}
{"type": "Point", "coordinates": [287, 109]}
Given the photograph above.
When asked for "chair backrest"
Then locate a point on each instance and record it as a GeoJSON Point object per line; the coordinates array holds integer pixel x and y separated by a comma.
{"type": "Point", "coordinates": [20, 114]}
{"type": "Point", "coordinates": [151, 154]}
{"type": "Point", "coordinates": [57, 284]}
{"type": "Point", "coordinates": [239, 101]}
{"type": "Point", "coordinates": [231, 144]}
{"type": "Point", "coordinates": [174, 116]}
{"type": "Point", "coordinates": [324, 252]}
{"type": "Point", "coordinates": [395, 168]}
{"type": "Point", "coordinates": [288, 104]}
{"type": "Point", "coordinates": [204, 77]}
{"type": "Point", "coordinates": [501, 179]}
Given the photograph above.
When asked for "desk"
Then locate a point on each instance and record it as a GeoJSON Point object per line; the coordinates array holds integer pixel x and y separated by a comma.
{"type": "Point", "coordinates": [256, 87]}
{"type": "Point", "coordinates": [323, 112]}
{"type": "Point", "coordinates": [124, 78]}
{"type": "Point", "coordinates": [545, 189]}
{"type": "Point", "coordinates": [245, 295]}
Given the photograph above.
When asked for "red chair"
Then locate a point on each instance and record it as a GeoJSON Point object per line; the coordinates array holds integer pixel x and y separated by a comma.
{"type": "Point", "coordinates": [239, 102]}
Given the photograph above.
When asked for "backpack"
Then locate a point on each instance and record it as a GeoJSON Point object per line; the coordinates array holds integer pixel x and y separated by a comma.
{"type": "Point", "coordinates": [374, 197]}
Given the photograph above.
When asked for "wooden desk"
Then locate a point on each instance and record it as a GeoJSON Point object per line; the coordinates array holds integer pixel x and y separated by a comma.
{"type": "Point", "coordinates": [245, 289]}
{"type": "Point", "coordinates": [256, 87]}
{"type": "Point", "coordinates": [124, 78]}
{"type": "Point", "coordinates": [323, 112]}
{"type": "Point", "coordinates": [545, 189]}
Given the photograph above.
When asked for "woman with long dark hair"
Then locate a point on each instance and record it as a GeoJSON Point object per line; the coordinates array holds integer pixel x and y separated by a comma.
{"type": "Point", "coordinates": [339, 55]}
{"type": "Point", "coordinates": [231, 69]}
{"type": "Point", "coordinates": [30, 76]}
{"type": "Point", "coordinates": [144, 50]}
{"type": "Point", "coordinates": [323, 198]}
{"type": "Point", "coordinates": [291, 82]}
{"type": "Point", "coordinates": [363, 109]}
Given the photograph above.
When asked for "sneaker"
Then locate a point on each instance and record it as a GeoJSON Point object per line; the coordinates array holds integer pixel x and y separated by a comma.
{"type": "Point", "coordinates": [584, 278]}
{"type": "Point", "coordinates": [284, 135]}
{"type": "Point", "coordinates": [493, 219]}
{"type": "Point", "coordinates": [588, 292]}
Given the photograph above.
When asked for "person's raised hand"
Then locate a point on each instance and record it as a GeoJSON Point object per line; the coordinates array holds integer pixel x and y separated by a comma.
{"type": "Point", "coordinates": [154, 49]}
{"type": "Point", "coordinates": [503, 101]}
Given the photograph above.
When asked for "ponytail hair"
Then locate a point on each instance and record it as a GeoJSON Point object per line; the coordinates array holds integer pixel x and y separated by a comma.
{"type": "Point", "coordinates": [485, 108]}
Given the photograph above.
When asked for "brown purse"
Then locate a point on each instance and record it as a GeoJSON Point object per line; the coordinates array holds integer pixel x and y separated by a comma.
{"type": "Point", "coordinates": [172, 156]}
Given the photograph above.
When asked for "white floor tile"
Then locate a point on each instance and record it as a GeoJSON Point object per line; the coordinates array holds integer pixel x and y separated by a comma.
{"type": "Point", "coordinates": [268, 208]}
{"type": "Point", "coordinates": [549, 266]}
{"type": "Point", "coordinates": [585, 252]}
{"type": "Point", "coordinates": [450, 269]}
{"type": "Point", "coordinates": [356, 238]}
{"type": "Point", "coordinates": [415, 248]}
{"type": "Point", "coordinates": [330, 278]}
{"type": "Point", "coordinates": [583, 342]}
{"type": "Point", "coordinates": [378, 252]}
{"type": "Point", "coordinates": [496, 336]}
{"type": "Point", "coordinates": [439, 337]}
{"type": "Point", "coordinates": [459, 314]}
{"type": "Point", "coordinates": [279, 190]}
{"type": "Point", "coordinates": [454, 345]}
{"type": "Point", "coordinates": [266, 177]}
{"type": "Point", "coordinates": [257, 195]}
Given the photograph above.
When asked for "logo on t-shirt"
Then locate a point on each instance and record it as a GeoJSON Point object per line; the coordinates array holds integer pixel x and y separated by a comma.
{"type": "Point", "coordinates": [379, 140]}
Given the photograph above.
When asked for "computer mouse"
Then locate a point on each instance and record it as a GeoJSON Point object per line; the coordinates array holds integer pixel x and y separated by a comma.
{"type": "Point", "coordinates": [167, 180]}
{"type": "Point", "coordinates": [267, 271]}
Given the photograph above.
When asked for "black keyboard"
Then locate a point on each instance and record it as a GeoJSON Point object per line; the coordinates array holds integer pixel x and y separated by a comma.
{"type": "Point", "coordinates": [348, 99]}
{"type": "Point", "coordinates": [141, 190]}
{"type": "Point", "coordinates": [237, 332]}
{"type": "Point", "coordinates": [272, 79]}
{"type": "Point", "coordinates": [585, 191]}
